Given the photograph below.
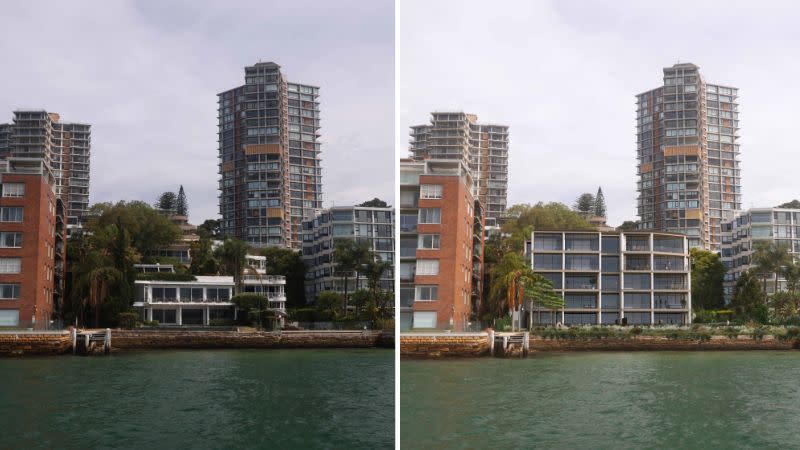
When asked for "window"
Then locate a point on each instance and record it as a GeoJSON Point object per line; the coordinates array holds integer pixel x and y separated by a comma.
{"type": "Point", "coordinates": [547, 242]}
{"type": "Point", "coordinates": [407, 296]}
{"type": "Point", "coordinates": [429, 241]}
{"type": "Point", "coordinates": [545, 261]}
{"type": "Point", "coordinates": [14, 190]}
{"type": "Point", "coordinates": [10, 240]}
{"type": "Point", "coordinates": [10, 265]}
{"type": "Point", "coordinates": [609, 301]}
{"type": "Point", "coordinates": [219, 294]}
{"type": "Point", "coordinates": [428, 267]}
{"type": "Point", "coordinates": [610, 282]}
{"type": "Point", "coordinates": [581, 262]}
{"type": "Point", "coordinates": [430, 191]}
{"type": "Point", "coordinates": [9, 317]}
{"type": "Point", "coordinates": [424, 319]}
{"type": "Point", "coordinates": [637, 281]}
{"type": "Point", "coordinates": [11, 214]}
{"type": "Point", "coordinates": [427, 293]}
{"type": "Point", "coordinates": [430, 215]}
{"type": "Point", "coordinates": [637, 301]}
{"type": "Point", "coordinates": [9, 291]}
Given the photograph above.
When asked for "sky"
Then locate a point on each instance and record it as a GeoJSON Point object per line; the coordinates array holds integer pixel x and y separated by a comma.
{"type": "Point", "coordinates": [145, 75]}
{"type": "Point", "coordinates": [564, 75]}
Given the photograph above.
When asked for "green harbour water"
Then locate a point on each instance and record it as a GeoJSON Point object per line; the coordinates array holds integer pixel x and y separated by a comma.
{"type": "Point", "coordinates": [708, 400]}
{"type": "Point", "coordinates": [200, 399]}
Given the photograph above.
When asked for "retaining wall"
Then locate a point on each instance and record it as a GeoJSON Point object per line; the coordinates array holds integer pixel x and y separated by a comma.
{"type": "Point", "coordinates": [657, 343]}
{"type": "Point", "coordinates": [441, 345]}
{"type": "Point", "coordinates": [156, 339]}
{"type": "Point", "coordinates": [19, 343]}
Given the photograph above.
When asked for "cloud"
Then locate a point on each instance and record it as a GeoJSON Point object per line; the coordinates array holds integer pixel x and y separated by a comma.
{"type": "Point", "coordinates": [145, 75]}
{"type": "Point", "coordinates": [564, 75]}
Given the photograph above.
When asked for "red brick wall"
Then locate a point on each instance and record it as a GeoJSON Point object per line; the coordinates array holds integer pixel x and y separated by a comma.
{"type": "Point", "coordinates": [455, 244]}
{"type": "Point", "coordinates": [37, 236]}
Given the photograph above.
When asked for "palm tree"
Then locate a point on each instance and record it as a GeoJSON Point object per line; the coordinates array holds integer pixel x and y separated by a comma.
{"type": "Point", "coordinates": [232, 255]}
{"type": "Point", "coordinates": [374, 271]}
{"type": "Point", "coordinates": [100, 280]}
{"type": "Point", "coordinates": [770, 258]}
{"type": "Point", "coordinates": [513, 282]}
{"type": "Point", "coordinates": [350, 256]}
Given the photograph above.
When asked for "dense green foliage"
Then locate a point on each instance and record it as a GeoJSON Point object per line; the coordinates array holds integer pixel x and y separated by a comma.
{"type": "Point", "coordinates": [628, 225]}
{"type": "Point", "coordinates": [584, 204]}
{"type": "Point", "coordinates": [255, 309]}
{"type": "Point", "coordinates": [101, 260]}
{"type": "Point", "coordinates": [515, 284]}
{"type": "Point", "coordinates": [794, 204]}
{"type": "Point", "coordinates": [289, 263]}
{"type": "Point", "coordinates": [210, 229]}
{"type": "Point", "coordinates": [708, 273]}
{"type": "Point", "coordinates": [232, 258]}
{"type": "Point", "coordinates": [599, 203]}
{"type": "Point", "coordinates": [749, 299]}
{"type": "Point", "coordinates": [374, 203]}
{"type": "Point", "coordinates": [166, 201]}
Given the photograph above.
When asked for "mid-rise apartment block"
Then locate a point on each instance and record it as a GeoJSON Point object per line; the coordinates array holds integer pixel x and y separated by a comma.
{"type": "Point", "coordinates": [482, 147]}
{"type": "Point", "coordinates": [741, 234]}
{"type": "Point", "coordinates": [688, 156]}
{"type": "Point", "coordinates": [64, 147]}
{"type": "Point", "coordinates": [32, 255]}
{"type": "Point", "coordinates": [269, 164]}
{"type": "Point", "coordinates": [372, 226]}
{"type": "Point", "coordinates": [441, 245]}
{"type": "Point", "coordinates": [613, 278]}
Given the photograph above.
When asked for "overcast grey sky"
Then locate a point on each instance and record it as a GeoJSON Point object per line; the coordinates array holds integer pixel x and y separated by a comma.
{"type": "Point", "coordinates": [145, 75]}
{"type": "Point", "coordinates": [563, 76]}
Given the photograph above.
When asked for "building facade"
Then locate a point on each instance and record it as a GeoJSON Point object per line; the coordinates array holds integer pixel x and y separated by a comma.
{"type": "Point", "coordinates": [63, 147]}
{"type": "Point", "coordinates": [269, 158]}
{"type": "Point", "coordinates": [482, 147]}
{"type": "Point", "coordinates": [610, 278]}
{"type": "Point", "coordinates": [195, 302]}
{"type": "Point", "coordinates": [32, 254]}
{"type": "Point", "coordinates": [688, 156]}
{"type": "Point", "coordinates": [741, 234]}
{"type": "Point", "coordinates": [441, 245]}
{"type": "Point", "coordinates": [373, 226]}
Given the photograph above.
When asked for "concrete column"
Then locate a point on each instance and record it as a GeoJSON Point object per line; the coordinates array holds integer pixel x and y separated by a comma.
{"type": "Point", "coordinates": [178, 316]}
{"type": "Point", "coordinates": [149, 313]}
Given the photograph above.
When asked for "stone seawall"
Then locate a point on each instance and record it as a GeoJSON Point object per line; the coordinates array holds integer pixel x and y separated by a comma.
{"type": "Point", "coordinates": [444, 345]}
{"type": "Point", "coordinates": [20, 343]}
{"type": "Point", "coordinates": [659, 343]}
{"type": "Point", "coordinates": [171, 339]}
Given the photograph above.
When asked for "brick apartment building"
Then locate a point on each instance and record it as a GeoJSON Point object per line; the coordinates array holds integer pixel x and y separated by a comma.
{"type": "Point", "coordinates": [32, 227]}
{"type": "Point", "coordinates": [441, 248]}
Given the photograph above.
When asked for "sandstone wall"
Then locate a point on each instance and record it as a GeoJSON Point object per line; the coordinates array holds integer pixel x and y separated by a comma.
{"type": "Point", "coordinates": [154, 339]}
{"type": "Point", "coordinates": [34, 343]}
{"type": "Point", "coordinates": [444, 345]}
{"type": "Point", "coordinates": [656, 343]}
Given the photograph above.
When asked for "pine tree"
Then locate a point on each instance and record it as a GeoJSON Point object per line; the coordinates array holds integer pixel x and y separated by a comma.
{"type": "Point", "coordinates": [599, 203]}
{"type": "Point", "coordinates": [166, 201]}
{"type": "Point", "coordinates": [181, 205]}
{"type": "Point", "coordinates": [584, 204]}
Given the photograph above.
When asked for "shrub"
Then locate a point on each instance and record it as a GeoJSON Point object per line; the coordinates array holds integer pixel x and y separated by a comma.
{"type": "Point", "coordinates": [220, 322]}
{"type": "Point", "coordinates": [310, 315]}
{"type": "Point", "coordinates": [150, 323]}
{"type": "Point", "coordinates": [249, 301]}
{"type": "Point", "coordinates": [165, 276]}
{"type": "Point", "coordinates": [127, 320]}
{"type": "Point", "coordinates": [637, 330]}
{"type": "Point", "coordinates": [503, 323]}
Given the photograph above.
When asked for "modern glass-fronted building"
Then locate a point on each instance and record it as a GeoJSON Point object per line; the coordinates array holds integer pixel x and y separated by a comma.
{"type": "Point", "coordinates": [610, 278]}
{"type": "Point", "coordinates": [741, 234]}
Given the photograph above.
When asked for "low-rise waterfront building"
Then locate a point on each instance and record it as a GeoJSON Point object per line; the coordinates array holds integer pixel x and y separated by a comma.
{"type": "Point", "coordinates": [371, 225]}
{"type": "Point", "coordinates": [256, 280]}
{"type": "Point", "coordinates": [741, 234]}
{"type": "Point", "coordinates": [32, 244]}
{"type": "Point", "coordinates": [441, 245]}
{"type": "Point", "coordinates": [637, 278]}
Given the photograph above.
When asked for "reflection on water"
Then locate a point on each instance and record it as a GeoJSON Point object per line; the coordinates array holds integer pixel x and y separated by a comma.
{"type": "Point", "coordinates": [200, 399]}
{"type": "Point", "coordinates": [604, 400]}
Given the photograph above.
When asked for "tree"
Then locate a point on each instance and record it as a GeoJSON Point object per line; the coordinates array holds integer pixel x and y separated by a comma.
{"type": "Point", "coordinates": [148, 230]}
{"type": "Point", "coordinates": [349, 257]}
{"type": "Point", "coordinates": [770, 258]}
{"type": "Point", "coordinates": [330, 302]}
{"type": "Point", "coordinates": [522, 219]}
{"type": "Point", "coordinates": [749, 301]}
{"type": "Point", "coordinates": [210, 229]}
{"type": "Point", "coordinates": [166, 201]}
{"type": "Point", "coordinates": [794, 204]}
{"type": "Point", "coordinates": [628, 225]}
{"type": "Point", "coordinates": [584, 204]}
{"type": "Point", "coordinates": [231, 255]}
{"type": "Point", "coordinates": [375, 203]}
{"type": "Point", "coordinates": [204, 262]}
{"type": "Point", "coordinates": [791, 273]}
{"type": "Point", "coordinates": [599, 203]}
{"type": "Point", "coordinates": [708, 273]}
{"type": "Point", "coordinates": [289, 263]}
{"type": "Point", "coordinates": [181, 204]}
{"type": "Point", "coordinates": [513, 282]}
{"type": "Point", "coordinates": [375, 270]}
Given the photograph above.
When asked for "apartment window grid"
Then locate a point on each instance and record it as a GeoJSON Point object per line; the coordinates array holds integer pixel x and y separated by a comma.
{"type": "Point", "coordinates": [10, 265]}
{"type": "Point", "coordinates": [13, 189]}
{"type": "Point", "coordinates": [426, 293]}
{"type": "Point", "coordinates": [430, 191]}
{"type": "Point", "coordinates": [11, 214]}
{"type": "Point", "coordinates": [10, 240]}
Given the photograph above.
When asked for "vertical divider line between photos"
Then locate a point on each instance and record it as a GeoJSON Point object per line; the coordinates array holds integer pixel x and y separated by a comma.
{"type": "Point", "coordinates": [396, 154]}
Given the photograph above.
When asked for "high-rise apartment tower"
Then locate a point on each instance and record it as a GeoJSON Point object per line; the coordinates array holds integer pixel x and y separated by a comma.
{"type": "Point", "coordinates": [270, 174]}
{"type": "Point", "coordinates": [688, 156]}
{"type": "Point", "coordinates": [482, 147]}
{"type": "Point", "coordinates": [63, 147]}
